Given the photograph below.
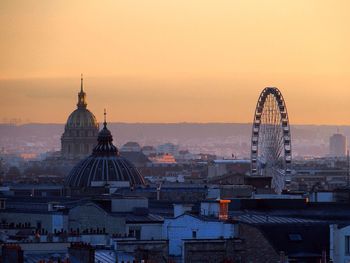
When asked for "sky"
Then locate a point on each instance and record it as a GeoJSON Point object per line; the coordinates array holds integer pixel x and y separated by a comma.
{"type": "Point", "coordinates": [174, 61]}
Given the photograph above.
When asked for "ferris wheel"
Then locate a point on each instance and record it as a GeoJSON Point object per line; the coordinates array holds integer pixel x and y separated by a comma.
{"type": "Point", "coordinates": [271, 151]}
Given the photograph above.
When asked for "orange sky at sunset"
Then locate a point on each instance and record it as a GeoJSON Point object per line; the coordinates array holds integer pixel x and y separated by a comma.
{"type": "Point", "coordinates": [174, 61]}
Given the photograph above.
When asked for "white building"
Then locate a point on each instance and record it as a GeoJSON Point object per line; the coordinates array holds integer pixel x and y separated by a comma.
{"type": "Point", "coordinates": [148, 227]}
{"type": "Point", "coordinates": [339, 243]}
{"type": "Point", "coordinates": [185, 226]}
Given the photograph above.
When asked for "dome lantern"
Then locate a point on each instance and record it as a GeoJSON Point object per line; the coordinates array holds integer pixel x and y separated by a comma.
{"type": "Point", "coordinates": [105, 145]}
{"type": "Point", "coordinates": [81, 95]}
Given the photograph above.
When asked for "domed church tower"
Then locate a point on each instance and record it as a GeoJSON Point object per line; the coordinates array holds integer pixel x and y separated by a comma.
{"type": "Point", "coordinates": [105, 166]}
{"type": "Point", "coordinates": [81, 130]}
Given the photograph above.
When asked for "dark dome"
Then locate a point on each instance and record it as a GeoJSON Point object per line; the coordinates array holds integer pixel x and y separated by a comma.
{"type": "Point", "coordinates": [104, 166]}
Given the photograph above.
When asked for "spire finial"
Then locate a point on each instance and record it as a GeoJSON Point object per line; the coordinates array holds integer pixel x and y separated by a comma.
{"type": "Point", "coordinates": [105, 122]}
{"type": "Point", "coordinates": [81, 95]}
{"type": "Point", "coordinates": [81, 82]}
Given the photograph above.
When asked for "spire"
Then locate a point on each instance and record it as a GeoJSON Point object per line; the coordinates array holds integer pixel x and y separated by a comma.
{"type": "Point", "coordinates": [105, 145]}
{"type": "Point", "coordinates": [105, 122]}
{"type": "Point", "coordinates": [81, 83]}
{"type": "Point", "coordinates": [81, 95]}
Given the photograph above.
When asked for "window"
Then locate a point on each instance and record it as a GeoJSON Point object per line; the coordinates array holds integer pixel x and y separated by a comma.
{"type": "Point", "coordinates": [347, 245]}
{"type": "Point", "coordinates": [135, 232]}
{"type": "Point", "coordinates": [194, 234]}
{"type": "Point", "coordinates": [295, 237]}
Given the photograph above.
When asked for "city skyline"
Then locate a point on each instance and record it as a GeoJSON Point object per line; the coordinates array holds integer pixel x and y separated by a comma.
{"type": "Point", "coordinates": [174, 131]}
{"type": "Point", "coordinates": [184, 61]}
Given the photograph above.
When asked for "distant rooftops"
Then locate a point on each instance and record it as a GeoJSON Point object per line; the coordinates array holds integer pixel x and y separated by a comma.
{"type": "Point", "coordinates": [148, 148]}
{"type": "Point", "coordinates": [231, 161]}
{"type": "Point", "coordinates": [131, 147]}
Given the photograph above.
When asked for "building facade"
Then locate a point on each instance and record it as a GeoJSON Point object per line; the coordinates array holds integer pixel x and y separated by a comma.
{"type": "Point", "coordinates": [339, 243]}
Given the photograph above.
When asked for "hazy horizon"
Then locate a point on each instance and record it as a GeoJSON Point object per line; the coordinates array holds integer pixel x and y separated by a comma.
{"type": "Point", "coordinates": [100, 122]}
{"type": "Point", "coordinates": [174, 61]}
{"type": "Point", "coordinates": [219, 138]}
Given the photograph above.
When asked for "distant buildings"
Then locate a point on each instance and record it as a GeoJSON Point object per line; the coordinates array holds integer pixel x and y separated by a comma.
{"type": "Point", "coordinates": [226, 166]}
{"type": "Point", "coordinates": [168, 148]}
{"type": "Point", "coordinates": [149, 150]}
{"type": "Point", "coordinates": [337, 145]}
{"type": "Point", "coordinates": [317, 174]}
{"type": "Point", "coordinates": [166, 158]}
{"type": "Point", "coordinates": [131, 147]}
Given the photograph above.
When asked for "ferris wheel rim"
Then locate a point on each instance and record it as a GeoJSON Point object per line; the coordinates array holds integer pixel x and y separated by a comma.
{"type": "Point", "coordinates": [284, 125]}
